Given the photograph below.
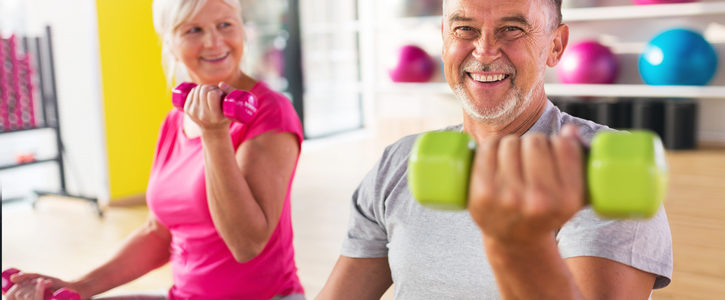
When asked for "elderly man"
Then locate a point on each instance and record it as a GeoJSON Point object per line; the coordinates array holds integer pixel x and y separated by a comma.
{"type": "Point", "coordinates": [527, 233]}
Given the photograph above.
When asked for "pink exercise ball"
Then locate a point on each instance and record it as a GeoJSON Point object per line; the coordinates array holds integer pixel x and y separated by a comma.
{"type": "Point", "coordinates": [645, 2]}
{"type": "Point", "coordinates": [413, 64]}
{"type": "Point", "coordinates": [588, 62]}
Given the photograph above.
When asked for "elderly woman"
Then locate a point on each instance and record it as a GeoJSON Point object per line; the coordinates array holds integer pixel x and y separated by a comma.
{"type": "Point", "coordinates": [219, 190]}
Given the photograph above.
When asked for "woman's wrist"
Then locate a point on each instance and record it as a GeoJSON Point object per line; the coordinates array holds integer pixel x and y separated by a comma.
{"type": "Point", "coordinates": [215, 133]}
{"type": "Point", "coordinates": [82, 287]}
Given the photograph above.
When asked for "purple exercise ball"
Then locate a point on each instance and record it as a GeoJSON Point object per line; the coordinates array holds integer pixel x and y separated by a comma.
{"type": "Point", "coordinates": [413, 65]}
{"type": "Point", "coordinates": [588, 62]}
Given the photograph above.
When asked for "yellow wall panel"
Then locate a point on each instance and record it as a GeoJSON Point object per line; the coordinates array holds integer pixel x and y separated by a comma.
{"type": "Point", "coordinates": [135, 96]}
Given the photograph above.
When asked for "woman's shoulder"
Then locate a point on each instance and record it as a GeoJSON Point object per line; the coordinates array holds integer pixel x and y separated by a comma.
{"type": "Point", "coordinates": [275, 112]}
{"type": "Point", "coordinates": [269, 97]}
{"type": "Point", "coordinates": [273, 105]}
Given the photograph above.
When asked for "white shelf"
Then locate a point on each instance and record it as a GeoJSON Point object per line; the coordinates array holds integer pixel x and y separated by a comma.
{"type": "Point", "coordinates": [635, 90]}
{"type": "Point", "coordinates": [408, 22]}
{"type": "Point", "coordinates": [332, 88]}
{"type": "Point", "coordinates": [594, 90]}
{"type": "Point", "coordinates": [415, 88]}
{"type": "Point", "coordinates": [330, 28]}
{"type": "Point", "coordinates": [643, 11]}
{"type": "Point", "coordinates": [597, 13]}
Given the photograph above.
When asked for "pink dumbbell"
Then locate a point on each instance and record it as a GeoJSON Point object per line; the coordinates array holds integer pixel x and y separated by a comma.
{"type": "Point", "coordinates": [239, 105]}
{"type": "Point", "coordinates": [60, 294]}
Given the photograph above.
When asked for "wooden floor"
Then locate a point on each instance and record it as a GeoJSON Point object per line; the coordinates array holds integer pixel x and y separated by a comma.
{"type": "Point", "coordinates": [63, 237]}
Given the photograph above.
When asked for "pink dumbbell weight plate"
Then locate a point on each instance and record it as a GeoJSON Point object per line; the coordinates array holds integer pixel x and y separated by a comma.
{"type": "Point", "coordinates": [238, 105]}
{"type": "Point", "coordinates": [61, 294]}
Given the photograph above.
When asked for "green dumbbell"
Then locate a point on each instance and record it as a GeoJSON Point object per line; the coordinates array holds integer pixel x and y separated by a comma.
{"type": "Point", "coordinates": [626, 172]}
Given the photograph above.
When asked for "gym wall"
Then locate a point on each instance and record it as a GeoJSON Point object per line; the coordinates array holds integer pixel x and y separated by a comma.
{"type": "Point", "coordinates": [135, 97]}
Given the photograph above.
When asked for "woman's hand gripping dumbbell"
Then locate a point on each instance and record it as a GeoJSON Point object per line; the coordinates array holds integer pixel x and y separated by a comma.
{"type": "Point", "coordinates": [238, 105]}
{"type": "Point", "coordinates": [60, 294]}
{"type": "Point", "coordinates": [626, 172]}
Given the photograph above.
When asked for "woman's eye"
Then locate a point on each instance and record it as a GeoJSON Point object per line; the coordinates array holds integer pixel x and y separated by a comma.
{"type": "Point", "coordinates": [225, 24]}
{"type": "Point", "coordinates": [193, 30]}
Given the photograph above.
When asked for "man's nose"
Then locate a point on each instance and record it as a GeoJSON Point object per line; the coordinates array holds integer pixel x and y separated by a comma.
{"type": "Point", "coordinates": [487, 48]}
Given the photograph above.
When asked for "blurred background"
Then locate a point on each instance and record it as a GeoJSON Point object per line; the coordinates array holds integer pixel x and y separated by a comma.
{"type": "Point", "coordinates": [83, 95]}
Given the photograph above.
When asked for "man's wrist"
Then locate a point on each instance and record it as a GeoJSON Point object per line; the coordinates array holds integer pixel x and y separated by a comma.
{"type": "Point", "coordinates": [512, 251]}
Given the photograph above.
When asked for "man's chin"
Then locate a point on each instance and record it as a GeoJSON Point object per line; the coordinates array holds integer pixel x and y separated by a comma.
{"type": "Point", "coordinates": [493, 111]}
{"type": "Point", "coordinates": [492, 115]}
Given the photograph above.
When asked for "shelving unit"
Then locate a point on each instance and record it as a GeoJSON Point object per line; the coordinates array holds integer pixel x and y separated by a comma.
{"type": "Point", "coordinates": [41, 49]}
{"type": "Point", "coordinates": [578, 17]}
{"type": "Point", "coordinates": [619, 24]}
{"type": "Point", "coordinates": [643, 11]}
{"type": "Point", "coordinates": [602, 13]}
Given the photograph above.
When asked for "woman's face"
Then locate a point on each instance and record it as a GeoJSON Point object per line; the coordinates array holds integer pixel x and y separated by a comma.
{"type": "Point", "coordinates": [210, 44]}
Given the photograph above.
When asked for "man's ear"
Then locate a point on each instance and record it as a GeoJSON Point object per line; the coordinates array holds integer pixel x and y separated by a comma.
{"type": "Point", "coordinates": [558, 44]}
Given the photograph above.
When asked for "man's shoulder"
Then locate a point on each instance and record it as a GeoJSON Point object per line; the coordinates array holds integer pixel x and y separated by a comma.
{"type": "Point", "coordinates": [554, 119]}
{"type": "Point", "coordinates": [402, 147]}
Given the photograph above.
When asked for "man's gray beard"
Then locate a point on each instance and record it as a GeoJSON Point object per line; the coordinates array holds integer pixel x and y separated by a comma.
{"type": "Point", "coordinates": [503, 113]}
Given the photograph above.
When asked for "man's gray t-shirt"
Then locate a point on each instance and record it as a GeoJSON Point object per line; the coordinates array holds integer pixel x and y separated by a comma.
{"type": "Point", "coordinates": [439, 254]}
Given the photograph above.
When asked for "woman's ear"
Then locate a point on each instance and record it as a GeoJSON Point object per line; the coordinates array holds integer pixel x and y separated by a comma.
{"type": "Point", "coordinates": [558, 44]}
{"type": "Point", "coordinates": [168, 44]}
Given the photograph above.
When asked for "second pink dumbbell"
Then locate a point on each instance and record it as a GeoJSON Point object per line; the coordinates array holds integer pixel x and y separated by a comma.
{"type": "Point", "coordinates": [238, 105]}
{"type": "Point", "coordinates": [60, 294]}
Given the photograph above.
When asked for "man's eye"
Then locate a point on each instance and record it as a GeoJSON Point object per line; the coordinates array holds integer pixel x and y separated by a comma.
{"type": "Point", "coordinates": [465, 32]}
{"type": "Point", "coordinates": [510, 32]}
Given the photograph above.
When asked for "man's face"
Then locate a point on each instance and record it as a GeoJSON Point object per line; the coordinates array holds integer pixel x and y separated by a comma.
{"type": "Point", "coordinates": [495, 53]}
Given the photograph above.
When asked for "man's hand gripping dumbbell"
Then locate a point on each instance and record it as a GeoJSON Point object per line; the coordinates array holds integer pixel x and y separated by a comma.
{"type": "Point", "coordinates": [626, 172]}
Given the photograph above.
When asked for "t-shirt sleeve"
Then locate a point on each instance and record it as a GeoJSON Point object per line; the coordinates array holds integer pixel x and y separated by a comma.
{"type": "Point", "coordinates": [643, 244]}
{"type": "Point", "coordinates": [366, 235]}
{"type": "Point", "coordinates": [275, 114]}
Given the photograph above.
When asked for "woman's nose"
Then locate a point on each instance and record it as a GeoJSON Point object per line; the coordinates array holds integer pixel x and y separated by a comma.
{"type": "Point", "coordinates": [212, 38]}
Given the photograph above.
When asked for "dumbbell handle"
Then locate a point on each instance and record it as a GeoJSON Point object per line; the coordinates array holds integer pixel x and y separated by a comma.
{"type": "Point", "coordinates": [60, 294]}
{"type": "Point", "coordinates": [238, 105]}
{"type": "Point", "coordinates": [626, 173]}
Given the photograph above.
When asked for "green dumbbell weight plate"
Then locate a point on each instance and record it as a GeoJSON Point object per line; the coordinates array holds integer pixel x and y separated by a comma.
{"type": "Point", "coordinates": [626, 172]}
{"type": "Point", "coordinates": [439, 169]}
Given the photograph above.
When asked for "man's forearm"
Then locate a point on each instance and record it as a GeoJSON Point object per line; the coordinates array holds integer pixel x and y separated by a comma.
{"type": "Point", "coordinates": [531, 271]}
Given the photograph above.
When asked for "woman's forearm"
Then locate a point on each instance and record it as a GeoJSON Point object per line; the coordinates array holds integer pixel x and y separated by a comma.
{"type": "Point", "coordinates": [143, 251]}
{"type": "Point", "coordinates": [235, 209]}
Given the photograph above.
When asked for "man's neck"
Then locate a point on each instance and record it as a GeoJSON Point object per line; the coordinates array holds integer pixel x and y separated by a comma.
{"type": "Point", "coordinates": [481, 130]}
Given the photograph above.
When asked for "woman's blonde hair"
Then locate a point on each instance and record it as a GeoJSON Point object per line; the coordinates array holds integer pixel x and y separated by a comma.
{"type": "Point", "coordinates": [168, 15]}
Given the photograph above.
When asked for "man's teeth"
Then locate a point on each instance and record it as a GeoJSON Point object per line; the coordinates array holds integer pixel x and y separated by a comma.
{"type": "Point", "coordinates": [487, 78]}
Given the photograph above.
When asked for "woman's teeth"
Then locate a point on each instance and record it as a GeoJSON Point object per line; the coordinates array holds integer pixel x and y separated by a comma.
{"type": "Point", "coordinates": [219, 57]}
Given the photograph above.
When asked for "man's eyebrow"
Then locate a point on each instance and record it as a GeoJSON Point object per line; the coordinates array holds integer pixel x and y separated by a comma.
{"type": "Point", "coordinates": [459, 18]}
{"type": "Point", "coordinates": [517, 19]}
